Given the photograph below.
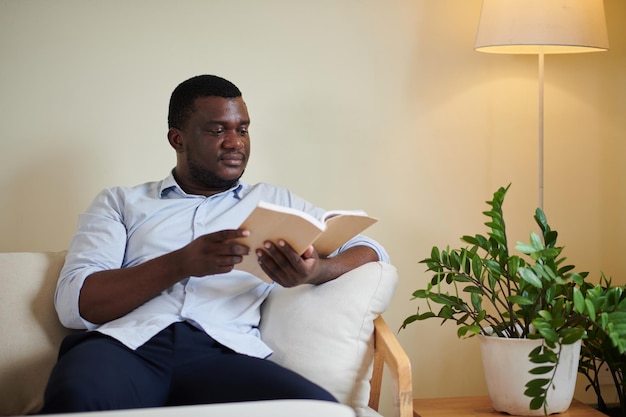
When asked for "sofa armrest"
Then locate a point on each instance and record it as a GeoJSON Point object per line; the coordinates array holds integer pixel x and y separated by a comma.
{"type": "Point", "coordinates": [389, 352]}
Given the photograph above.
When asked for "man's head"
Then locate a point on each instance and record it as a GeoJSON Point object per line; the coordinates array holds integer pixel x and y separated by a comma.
{"type": "Point", "coordinates": [182, 101]}
{"type": "Point", "coordinates": [208, 122]}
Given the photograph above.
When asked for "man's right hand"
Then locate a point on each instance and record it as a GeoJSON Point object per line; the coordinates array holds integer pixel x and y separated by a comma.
{"type": "Point", "coordinates": [214, 253]}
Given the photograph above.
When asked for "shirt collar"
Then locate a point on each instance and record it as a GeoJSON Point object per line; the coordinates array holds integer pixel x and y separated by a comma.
{"type": "Point", "coordinates": [169, 184]}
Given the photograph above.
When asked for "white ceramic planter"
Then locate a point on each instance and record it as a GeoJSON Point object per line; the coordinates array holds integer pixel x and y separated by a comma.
{"type": "Point", "coordinates": [506, 367]}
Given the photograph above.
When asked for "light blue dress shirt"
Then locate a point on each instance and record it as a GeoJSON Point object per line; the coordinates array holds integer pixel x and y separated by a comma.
{"type": "Point", "coordinates": [127, 226]}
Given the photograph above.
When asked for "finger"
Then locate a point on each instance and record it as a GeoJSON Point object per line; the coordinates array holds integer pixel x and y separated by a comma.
{"type": "Point", "coordinates": [229, 234]}
{"type": "Point", "coordinates": [226, 242]}
{"type": "Point", "coordinates": [293, 257]}
{"type": "Point", "coordinates": [271, 259]}
{"type": "Point", "coordinates": [310, 252]}
{"type": "Point", "coordinates": [229, 260]}
{"type": "Point", "coordinates": [267, 261]}
{"type": "Point", "coordinates": [237, 249]}
{"type": "Point", "coordinates": [283, 261]}
{"type": "Point", "coordinates": [277, 274]}
{"type": "Point", "coordinates": [281, 253]}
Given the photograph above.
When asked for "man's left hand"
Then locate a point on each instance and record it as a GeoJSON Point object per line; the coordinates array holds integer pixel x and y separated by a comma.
{"type": "Point", "coordinates": [289, 269]}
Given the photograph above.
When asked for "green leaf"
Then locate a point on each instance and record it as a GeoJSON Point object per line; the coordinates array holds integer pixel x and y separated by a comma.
{"type": "Point", "coordinates": [546, 315]}
{"type": "Point", "coordinates": [461, 320]}
{"type": "Point", "coordinates": [571, 335]}
{"type": "Point", "coordinates": [540, 218]}
{"type": "Point", "coordinates": [476, 300]}
{"type": "Point", "coordinates": [520, 300]}
{"type": "Point", "coordinates": [524, 248]}
{"type": "Point", "coordinates": [529, 276]}
{"type": "Point", "coordinates": [535, 241]}
{"type": "Point", "coordinates": [481, 316]}
{"type": "Point", "coordinates": [514, 264]}
{"type": "Point", "coordinates": [591, 310]}
{"type": "Point", "coordinates": [579, 301]}
{"type": "Point", "coordinates": [541, 370]}
{"type": "Point", "coordinates": [477, 266]}
{"type": "Point", "coordinates": [495, 225]}
{"type": "Point", "coordinates": [473, 289]}
{"type": "Point", "coordinates": [546, 331]}
{"type": "Point", "coordinates": [421, 294]}
{"type": "Point", "coordinates": [536, 385]}
{"type": "Point", "coordinates": [537, 402]}
{"type": "Point", "coordinates": [547, 357]}
{"type": "Point", "coordinates": [446, 312]}
{"type": "Point", "coordinates": [409, 320]}
{"type": "Point", "coordinates": [472, 240]}
{"type": "Point", "coordinates": [464, 330]}
{"type": "Point", "coordinates": [550, 238]}
{"type": "Point", "coordinates": [494, 267]}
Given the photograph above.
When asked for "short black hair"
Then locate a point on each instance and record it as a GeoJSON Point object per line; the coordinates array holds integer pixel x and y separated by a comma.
{"type": "Point", "coordinates": [185, 94]}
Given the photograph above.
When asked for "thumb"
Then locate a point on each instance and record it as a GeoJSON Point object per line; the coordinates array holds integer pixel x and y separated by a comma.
{"type": "Point", "coordinates": [309, 252]}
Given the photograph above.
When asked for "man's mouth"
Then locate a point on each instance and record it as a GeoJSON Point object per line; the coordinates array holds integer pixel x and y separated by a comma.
{"type": "Point", "coordinates": [233, 159]}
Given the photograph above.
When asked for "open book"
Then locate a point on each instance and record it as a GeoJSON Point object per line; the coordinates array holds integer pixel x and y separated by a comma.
{"type": "Point", "coordinates": [300, 230]}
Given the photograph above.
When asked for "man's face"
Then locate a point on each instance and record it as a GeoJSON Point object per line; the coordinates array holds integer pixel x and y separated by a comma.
{"type": "Point", "coordinates": [214, 144]}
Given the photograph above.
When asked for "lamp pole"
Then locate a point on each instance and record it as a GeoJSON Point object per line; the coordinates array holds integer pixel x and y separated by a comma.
{"type": "Point", "coordinates": [540, 127]}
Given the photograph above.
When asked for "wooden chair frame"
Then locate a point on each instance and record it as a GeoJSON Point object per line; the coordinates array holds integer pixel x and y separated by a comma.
{"type": "Point", "coordinates": [389, 353]}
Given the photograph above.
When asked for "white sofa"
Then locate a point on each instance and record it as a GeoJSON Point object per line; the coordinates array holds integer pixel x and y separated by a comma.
{"type": "Point", "coordinates": [330, 333]}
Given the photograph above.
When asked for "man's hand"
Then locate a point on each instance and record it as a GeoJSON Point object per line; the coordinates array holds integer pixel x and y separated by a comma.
{"type": "Point", "coordinates": [214, 253]}
{"type": "Point", "coordinates": [289, 269]}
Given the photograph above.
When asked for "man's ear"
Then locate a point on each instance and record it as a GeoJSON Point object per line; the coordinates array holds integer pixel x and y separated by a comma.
{"type": "Point", "coordinates": [175, 137]}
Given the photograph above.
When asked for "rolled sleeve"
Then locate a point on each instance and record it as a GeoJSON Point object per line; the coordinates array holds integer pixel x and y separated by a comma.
{"type": "Point", "coordinates": [358, 240]}
{"type": "Point", "coordinates": [99, 244]}
{"type": "Point", "coordinates": [362, 240]}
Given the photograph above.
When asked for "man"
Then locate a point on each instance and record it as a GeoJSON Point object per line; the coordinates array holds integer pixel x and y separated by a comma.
{"type": "Point", "coordinates": [150, 273]}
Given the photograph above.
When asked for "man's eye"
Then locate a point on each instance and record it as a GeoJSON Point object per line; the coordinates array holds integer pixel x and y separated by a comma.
{"type": "Point", "coordinates": [216, 132]}
{"type": "Point", "coordinates": [243, 132]}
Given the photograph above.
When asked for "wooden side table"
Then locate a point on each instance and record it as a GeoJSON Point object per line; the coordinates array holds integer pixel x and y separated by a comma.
{"type": "Point", "coordinates": [481, 407]}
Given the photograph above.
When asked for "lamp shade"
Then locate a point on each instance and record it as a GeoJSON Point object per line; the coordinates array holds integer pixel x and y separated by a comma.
{"type": "Point", "coordinates": [548, 26]}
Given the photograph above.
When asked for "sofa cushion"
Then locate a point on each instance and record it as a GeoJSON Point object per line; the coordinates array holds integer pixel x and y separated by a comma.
{"type": "Point", "coordinates": [28, 346]}
{"type": "Point", "coordinates": [325, 332]}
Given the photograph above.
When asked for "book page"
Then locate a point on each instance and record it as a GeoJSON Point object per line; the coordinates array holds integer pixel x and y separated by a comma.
{"type": "Point", "coordinates": [341, 228]}
{"type": "Point", "coordinates": [333, 213]}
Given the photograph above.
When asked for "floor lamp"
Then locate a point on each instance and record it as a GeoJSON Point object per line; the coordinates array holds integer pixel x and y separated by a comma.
{"type": "Point", "coordinates": [541, 27]}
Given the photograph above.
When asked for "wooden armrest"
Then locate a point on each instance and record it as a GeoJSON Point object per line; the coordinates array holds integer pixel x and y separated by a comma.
{"type": "Point", "coordinates": [389, 352]}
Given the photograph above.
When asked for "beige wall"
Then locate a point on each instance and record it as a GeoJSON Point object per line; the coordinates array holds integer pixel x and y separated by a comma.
{"type": "Point", "coordinates": [381, 105]}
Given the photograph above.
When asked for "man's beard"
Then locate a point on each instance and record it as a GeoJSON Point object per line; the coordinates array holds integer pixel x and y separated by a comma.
{"type": "Point", "coordinates": [208, 178]}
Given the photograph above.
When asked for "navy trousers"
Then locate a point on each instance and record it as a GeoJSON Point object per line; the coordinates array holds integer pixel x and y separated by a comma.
{"type": "Point", "coordinates": [179, 366]}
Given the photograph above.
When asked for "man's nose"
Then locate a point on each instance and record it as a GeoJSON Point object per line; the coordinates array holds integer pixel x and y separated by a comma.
{"type": "Point", "coordinates": [233, 141]}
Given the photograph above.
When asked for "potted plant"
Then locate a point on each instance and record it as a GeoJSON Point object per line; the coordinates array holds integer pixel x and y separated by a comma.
{"type": "Point", "coordinates": [490, 292]}
{"type": "Point", "coordinates": [599, 351]}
